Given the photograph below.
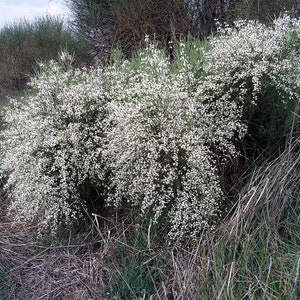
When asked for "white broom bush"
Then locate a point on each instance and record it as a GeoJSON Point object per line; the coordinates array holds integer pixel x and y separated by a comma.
{"type": "Point", "coordinates": [157, 147]}
{"type": "Point", "coordinates": [147, 132]}
{"type": "Point", "coordinates": [52, 143]}
{"type": "Point", "coordinates": [258, 68]}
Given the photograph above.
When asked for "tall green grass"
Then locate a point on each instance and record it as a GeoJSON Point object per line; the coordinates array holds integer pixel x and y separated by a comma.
{"type": "Point", "coordinates": [24, 43]}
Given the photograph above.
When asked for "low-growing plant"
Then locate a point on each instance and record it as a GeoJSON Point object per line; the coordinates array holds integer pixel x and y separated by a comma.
{"type": "Point", "coordinates": [135, 276]}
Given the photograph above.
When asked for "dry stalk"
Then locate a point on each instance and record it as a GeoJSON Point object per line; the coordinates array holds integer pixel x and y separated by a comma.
{"type": "Point", "coordinates": [72, 271]}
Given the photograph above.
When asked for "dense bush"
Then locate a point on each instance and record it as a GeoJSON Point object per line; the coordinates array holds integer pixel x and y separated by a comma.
{"type": "Point", "coordinates": [53, 142]}
{"type": "Point", "coordinates": [146, 132]}
{"type": "Point", "coordinates": [158, 148]}
{"type": "Point", "coordinates": [257, 66]}
{"type": "Point", "coordinates": [124, 23]}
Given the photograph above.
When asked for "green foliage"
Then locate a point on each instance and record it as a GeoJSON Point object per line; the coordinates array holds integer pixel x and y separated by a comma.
{"type": "Point", "coordinates": [124, 23]}
{"type": "Point", "coordinates": [134, 276]}
{"type": "Point", "coordinates": [272, 120]}
{"type": "Point", "coordinates": [24, 43]}
{"type": "Point", "coordinates": [7, 288]}
{"type": "Point", "coordinates": [250, 267]}
{"type": "Point", "coordinates": [137, 267]}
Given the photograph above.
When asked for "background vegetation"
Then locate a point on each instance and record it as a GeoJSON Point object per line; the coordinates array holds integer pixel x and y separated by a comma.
{"type": "Point", "coordinates": [254, 251]}
{"type": "Point", "coordinates": [107, 24]}
{"type": "Point", "coordinates": [23, 44]}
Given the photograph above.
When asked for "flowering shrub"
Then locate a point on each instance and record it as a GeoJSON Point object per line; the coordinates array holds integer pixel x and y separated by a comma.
{"type": "Point", "coordinates": [145, 132]}
{"type": "Point", "coordinates": [52, 143]}
{"type": "Point", "coordinates": [174, 120]}
{"type": "Point", "coordinates": [159, 143]}
{"type": "Point", "coordinates": [258, 68]}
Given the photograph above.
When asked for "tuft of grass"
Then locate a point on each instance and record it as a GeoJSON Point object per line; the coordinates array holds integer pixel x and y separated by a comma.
{"type": "Point", "coordinates": [137, 267]}
{"type": "Point", "coordinates": [133, 278]}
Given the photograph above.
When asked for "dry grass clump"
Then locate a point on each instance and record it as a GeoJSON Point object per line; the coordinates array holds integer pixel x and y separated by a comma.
{"type": "Point", "coordinates": [68, 268]}
{"type": "Point", "coordinates": [273, 188]}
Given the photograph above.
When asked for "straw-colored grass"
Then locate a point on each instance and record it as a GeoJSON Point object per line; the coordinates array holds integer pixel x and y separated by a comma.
{"type": "Point", "coordinates": [67, 268]}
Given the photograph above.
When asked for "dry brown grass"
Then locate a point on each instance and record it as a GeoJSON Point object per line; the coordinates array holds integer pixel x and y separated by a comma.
{"type": "Point", "coordinates": [272, 188]}
{"type": "Point", "coordinates": [57, 271]}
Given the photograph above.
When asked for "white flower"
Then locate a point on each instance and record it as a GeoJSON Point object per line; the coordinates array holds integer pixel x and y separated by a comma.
{"type": "Point", "coordinates": [144, 131]}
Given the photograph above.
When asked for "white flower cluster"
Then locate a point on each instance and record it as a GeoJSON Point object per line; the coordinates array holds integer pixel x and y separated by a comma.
{"type": "Point", "coordinates": [145, 131]}
{"type": "Point", "coordinates": [53, 141]}
{"type": "Point", "coordinates": [157, 148]}
{"type": "Point", "coordinates": [256, 67]}
{"type": "Point", "coordinates": [245, 58]}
